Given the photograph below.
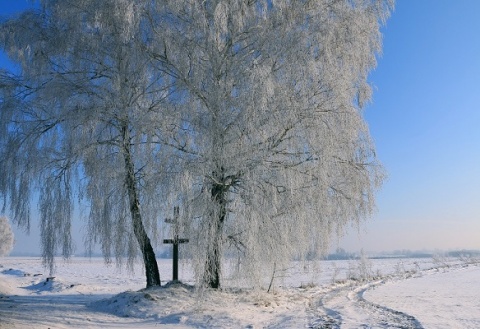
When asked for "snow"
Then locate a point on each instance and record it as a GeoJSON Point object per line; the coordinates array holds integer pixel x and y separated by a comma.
{"type": "Point", "coordinates": [85, 293]}
{"type": "Point", "coordinates": [449, 299]}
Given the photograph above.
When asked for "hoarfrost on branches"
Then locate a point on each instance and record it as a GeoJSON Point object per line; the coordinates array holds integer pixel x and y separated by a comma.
{"type": "Point", "coordinates": [6, 236]}
{"type": "Point", "coordinates": [275, 155]}
{"type": "Point", "coordinates": [246, 114]}
{"type": "Point", "coordinates": [77, 121]}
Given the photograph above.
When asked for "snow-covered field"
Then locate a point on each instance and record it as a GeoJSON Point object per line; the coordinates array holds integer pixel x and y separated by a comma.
{"type": "Point", "coordinates": [392, 293]}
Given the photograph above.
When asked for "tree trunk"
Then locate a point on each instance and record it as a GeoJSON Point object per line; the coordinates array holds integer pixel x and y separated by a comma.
{"type": "Point", "coordinates": [213, 266]}
{"type": "Point", "coordinates": [214, 256]}
{"type": "Point", "coordinates": [149, 259]}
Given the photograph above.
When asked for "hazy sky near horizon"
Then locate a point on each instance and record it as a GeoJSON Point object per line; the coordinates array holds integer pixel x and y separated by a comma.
{"type": "Point", "coordinates": [425, 121]}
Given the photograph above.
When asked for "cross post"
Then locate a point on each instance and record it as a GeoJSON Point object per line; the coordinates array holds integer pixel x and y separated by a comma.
{"type": "Point", "coordinates": [175, 241]}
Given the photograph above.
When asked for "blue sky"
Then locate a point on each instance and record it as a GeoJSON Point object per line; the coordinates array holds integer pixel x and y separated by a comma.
{"type": "Point", "coordinates": [425, 121]}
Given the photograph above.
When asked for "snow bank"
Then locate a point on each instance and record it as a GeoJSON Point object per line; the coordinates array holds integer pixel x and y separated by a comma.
{"type": "Point", "coordinates": [49, 285]}
{"type": "Point", "coordinates": [11, 271]}
{"type": "Point", "coordinates": [153, 302]}
{"type": "Point", "coordinates": [177, 303]}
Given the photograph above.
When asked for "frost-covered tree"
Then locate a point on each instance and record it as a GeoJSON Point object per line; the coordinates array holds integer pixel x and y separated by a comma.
{"type": "Point", "coordinates": [246, 113]}
{"type": "Point", "coordinates": [75, 125]}
{"type": "Point", "coordinates": [6, 236]}
{"type": "Point", "coordinates": [274, 152]}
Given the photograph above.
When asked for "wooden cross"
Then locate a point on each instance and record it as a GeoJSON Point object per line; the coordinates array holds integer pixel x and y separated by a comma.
{"type": "Point", "coordinates": [175, 241]}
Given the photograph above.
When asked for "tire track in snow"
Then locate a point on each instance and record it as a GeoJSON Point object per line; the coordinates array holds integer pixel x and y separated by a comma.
{"type": "Point", "coordinates": [344, 307]}
{"type": "Point", "coordinates": [325, 317]}
{"type": "Point", "coordinates": [384, 316]}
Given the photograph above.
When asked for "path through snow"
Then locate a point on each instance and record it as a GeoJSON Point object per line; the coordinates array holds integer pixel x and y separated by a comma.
{"type": "Point", "coordinates": [345, 307]}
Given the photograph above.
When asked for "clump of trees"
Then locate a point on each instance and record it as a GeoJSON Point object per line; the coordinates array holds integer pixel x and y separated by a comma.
{"type": "Point", "coordinates": [6, 236]}
{"type": "Point", "coordinates": [246, 114]}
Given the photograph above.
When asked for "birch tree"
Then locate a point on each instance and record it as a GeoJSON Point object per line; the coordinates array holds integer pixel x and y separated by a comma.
{"type": "Point", "coordinates": [275, 154]}
{"type": "Point", "coordinates": [75, 122]}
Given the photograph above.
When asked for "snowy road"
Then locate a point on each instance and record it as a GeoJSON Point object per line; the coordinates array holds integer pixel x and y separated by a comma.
{"type": "Point", "coordinates": [346, 308]}
{"type": "Point", "coordinates": [443, 298]}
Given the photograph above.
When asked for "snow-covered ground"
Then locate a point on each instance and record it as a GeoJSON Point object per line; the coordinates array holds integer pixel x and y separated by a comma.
{"type": "Point", "coordinates": [392, 293]}
{"type": "Point", "coordinates": [439, 299]}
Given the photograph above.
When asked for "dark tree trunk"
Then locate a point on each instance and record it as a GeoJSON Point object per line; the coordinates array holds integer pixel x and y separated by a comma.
{"type": "Point", "coordinates": [149, 259]}
{"type": "Point", "coordinates": [214, 256]}
{"type": "Point", "coordinates": [213, 266]}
